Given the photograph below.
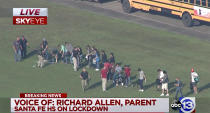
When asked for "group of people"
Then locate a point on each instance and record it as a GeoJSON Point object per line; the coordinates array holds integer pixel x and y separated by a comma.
{"type": "Point", "coordinates": [122, 76]}
{"type": "Point", "coordinates": [20, 48]}
{"type": "Point", "coordinates": [110, 70]}
{"type": "Point", "coordinates": [163, 81]}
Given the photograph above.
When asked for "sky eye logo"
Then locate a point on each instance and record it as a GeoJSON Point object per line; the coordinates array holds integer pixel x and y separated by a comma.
{"type": "Point", "coordinates": [184, 105]}
{"type": "Point", "coordinates": [30, 16]}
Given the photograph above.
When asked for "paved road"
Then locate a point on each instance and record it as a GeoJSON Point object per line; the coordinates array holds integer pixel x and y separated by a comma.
{"type": "Point", "coordinates": [160, 21]}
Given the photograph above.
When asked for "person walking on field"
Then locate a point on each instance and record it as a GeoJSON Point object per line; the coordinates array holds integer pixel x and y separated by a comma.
{"type": "Point", "coordinates": [112, 58]}
{"type": "Point", "coordinates": [127, 71]}
{"type": "Point", "coordinates": [63, 53]}
{"type": "Point", "coordinates": [97, 59]}
{"type": "Point", "coordinates": [44, 48]}
{"type": "Point", "coordinates": [178, 85]}
{"type": "Point", "coordinates": [103, 57]}
{"type": "Point", "coordinates": [194, 80]}
{"type": "Point", "coordinates": [84, 78]}
{"type": "Point", "coordinates": [164, 80]}
{"type": "Point", "coordinates": [107, 65]}
{"type": "Point", "coordinates": [142, 78]}
{"type": "Point", "coordinates": [17, 49]}
{"type": "Point", "coordinates": [24, 44]}
{"type": "Point", "coordinates": [160, 75]}
{"type": "Point", "coordinates": [104, 78]}
{"type": "Point", "coordinates": [117, 74]}
{"type": "Point", "coordinates": [75, 59]}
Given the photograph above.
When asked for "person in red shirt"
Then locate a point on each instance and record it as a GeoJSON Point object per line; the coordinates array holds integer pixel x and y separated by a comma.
{"type": "Point", "coordinates": [104, 78]}
{"type": "Point", "coordinates": [107, 65]}
{"type": "Point", "coordinates": [127, 71]}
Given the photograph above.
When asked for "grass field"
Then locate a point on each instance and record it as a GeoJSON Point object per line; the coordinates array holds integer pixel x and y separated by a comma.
{"type": "Point", "coordinates": [132, 44]}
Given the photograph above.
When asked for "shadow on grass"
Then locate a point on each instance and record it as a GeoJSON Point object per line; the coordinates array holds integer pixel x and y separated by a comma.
{"type": "Point", "coordinates": [94, 85]}
{"type": "Point", "coordinates": [149, 85]}
{"type": "Point", "coordinates": [110, 86]}
{"type": "Point", "coordinates": [32, 53]}
{"type": "Point", "coordinates": [200, 89]}
{"type": "Point", "coordinates": [205, 87]}
{"type": "Point", "coordinates": [135, 83]}
{"type": "Point", "coordinates": [133, 77]}
{"type": "Point", "coordinates": [188, 93]}
{"type": "Point", "coordinates": [171, 88]}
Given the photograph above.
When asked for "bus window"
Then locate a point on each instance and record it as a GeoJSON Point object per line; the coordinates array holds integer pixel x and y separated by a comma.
{"type": "Point", "coordinates": [203, 2]}
{"type": "Point", "coordinates": [198, 2]}
{"type": "Point", "coordinates": [192, 1]}
{"type": "Point", "coordinates": [186, 1]}
{"type": "Point", "coordinates": [208, 3]}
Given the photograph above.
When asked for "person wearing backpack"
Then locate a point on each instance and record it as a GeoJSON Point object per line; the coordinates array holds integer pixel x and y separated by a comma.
{"type": "Point", "coordinates": [164, 80]}
{"type": "Point", "coordinates": [160, 75]}
{"type": "Point", "coordinates": [194, 80]}
{"type": "Point", "coordinates": [178, 85]}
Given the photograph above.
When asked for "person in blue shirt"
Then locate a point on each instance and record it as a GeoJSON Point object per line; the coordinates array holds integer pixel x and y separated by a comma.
{"type": "Point", "coordinates": [178, 85]}
{"type": "Point", "coordinates": [17, 49]}
{"type": "Point", "coordinates": [24, 44]}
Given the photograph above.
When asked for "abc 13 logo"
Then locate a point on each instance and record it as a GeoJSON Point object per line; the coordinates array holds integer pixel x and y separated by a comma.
{"type": "Point", "coordinates": [184, 105]}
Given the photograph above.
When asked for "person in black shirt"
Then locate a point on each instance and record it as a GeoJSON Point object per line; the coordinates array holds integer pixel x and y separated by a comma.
{"type": "Point", "coordinates": [80, 55]}
{"type": "Point", "coordinates": [24, 44]}
{"type": "Point", "coordinates": [103, 57]}
{"type": "Point", "coordinates": [84, 77]}
{"type": "Point", "coordinates": [44, 48]}
{"type": "Point", "coordinates": [111, 58]}
{"type": "Point", "coordinates": [55, 54]}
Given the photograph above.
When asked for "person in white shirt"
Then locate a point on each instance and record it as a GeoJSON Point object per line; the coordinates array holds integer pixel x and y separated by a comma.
{"type": "Point", "coordinates": [160, 75]}
{"type": "Point", "coordinates": [193, 75]}
{"type": "Point", "coordinates": [142, 78]}
{"type": "Point", "coordinates": [164, 80]}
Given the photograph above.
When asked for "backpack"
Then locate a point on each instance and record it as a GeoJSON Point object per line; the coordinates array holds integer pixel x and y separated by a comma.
{"type": "Point", "coordinates": [165, 79]}
{"type": "Point", "coordinates": [197, 79]}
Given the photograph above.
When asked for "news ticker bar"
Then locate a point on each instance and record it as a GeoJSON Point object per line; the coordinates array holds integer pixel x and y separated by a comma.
{"type": "Point", "coordinates": [115, 105]}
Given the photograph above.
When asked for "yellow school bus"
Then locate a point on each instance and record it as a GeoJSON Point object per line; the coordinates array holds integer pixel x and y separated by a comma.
{"type": "Point", "coordinates": [188, 10]}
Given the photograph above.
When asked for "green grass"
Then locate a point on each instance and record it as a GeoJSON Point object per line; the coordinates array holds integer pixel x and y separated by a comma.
{"type": "Point", "coordinates": [132, 44]}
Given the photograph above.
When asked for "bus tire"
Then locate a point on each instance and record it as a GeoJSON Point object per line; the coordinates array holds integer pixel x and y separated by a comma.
{"type": "Point", "coordinates": [187, 19]}
{"type": "Point", "coordinates": [126, 6]}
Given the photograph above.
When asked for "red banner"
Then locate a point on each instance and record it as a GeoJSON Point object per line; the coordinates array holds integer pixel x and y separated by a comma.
{"type": "Point", "coordinates": [30, 20]}
{"type": "Point", "coordinates": [43, 95]}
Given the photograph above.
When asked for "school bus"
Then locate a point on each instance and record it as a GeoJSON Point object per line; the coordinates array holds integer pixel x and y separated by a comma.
{"type": "Point", "coordinates": [188, 10]}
